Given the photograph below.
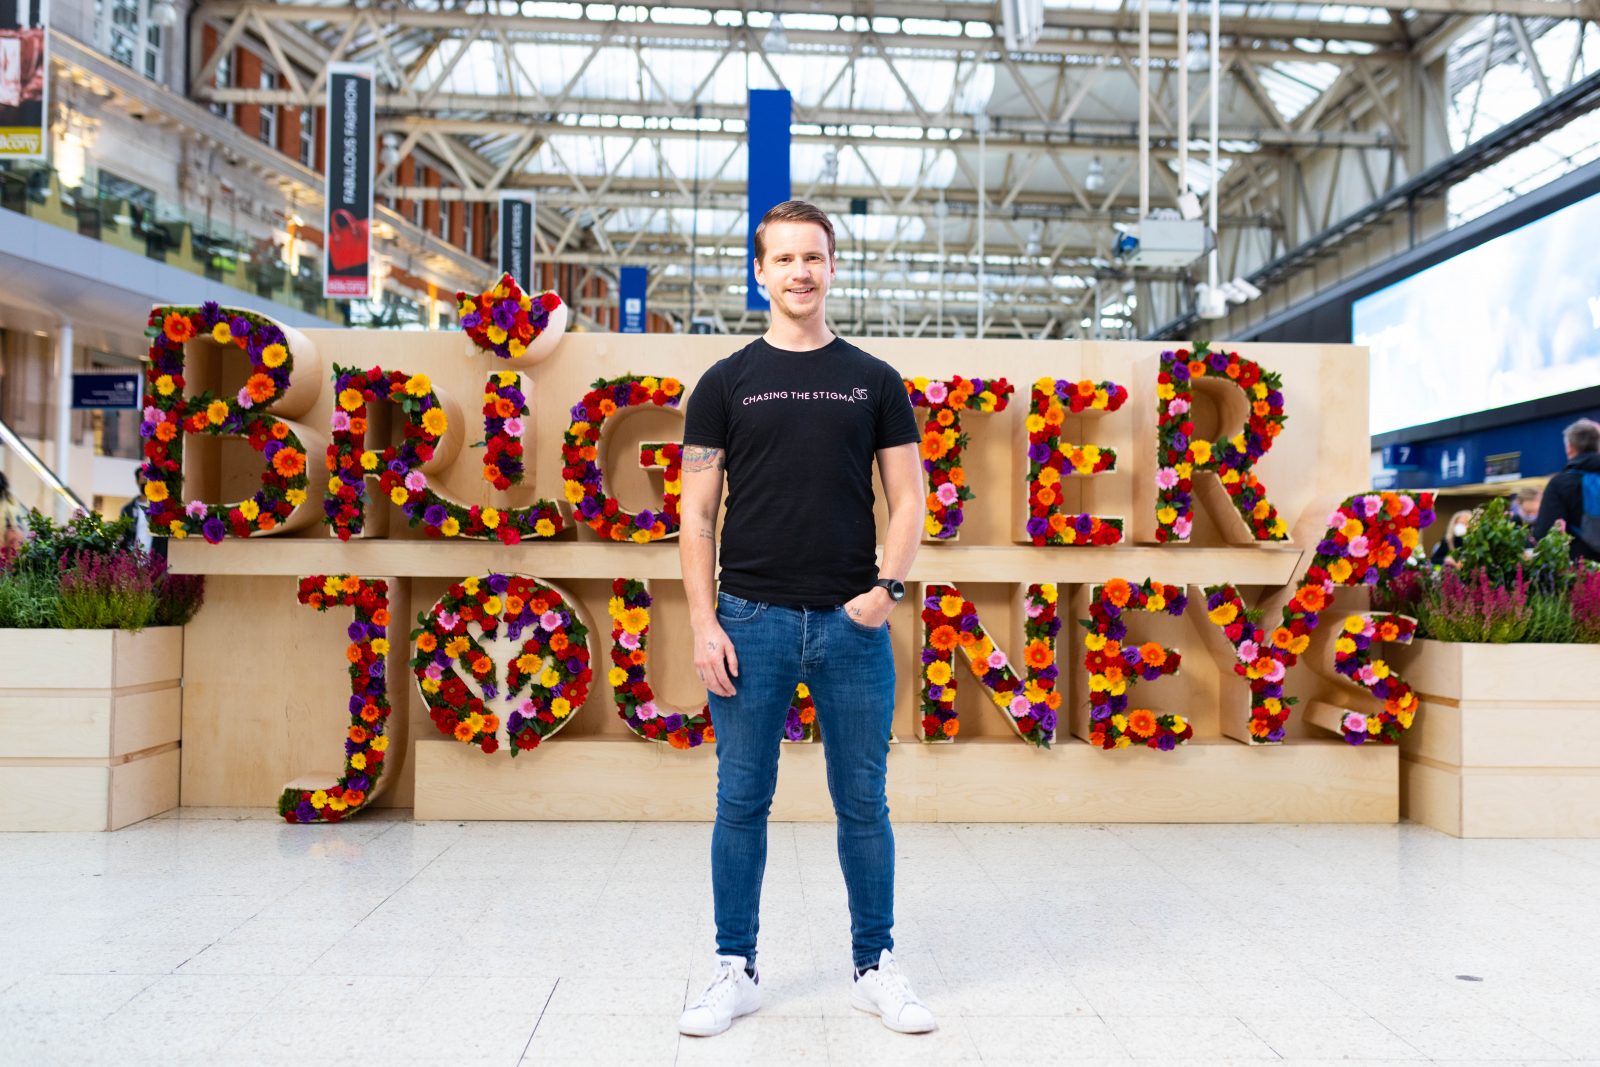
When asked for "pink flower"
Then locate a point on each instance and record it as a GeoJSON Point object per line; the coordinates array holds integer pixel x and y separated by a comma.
{"type": "Point", "coordinates": [416, 481]}
{"type": "Point", "coordinates": [434, 671]}
{"type": "Point", "coordinates": [1355, 723]}
{"type": "Point", "coordinates": [1182, 527]}
{"type": "Point", "coordinates": [1020, 706]}
{"type": "Point", "coordinates": [341, 421]}
{"type": "Point", "coordinates": [648, 710]}
{"type": "Point", "coordinates": [1248, 651]}
{"type": "Point", "coordinates": [1276, 672]}
{"type": "Point", "coordinates": [514, 427]}
{"type": "Point", "coordinates": [1336, 519]}
{"type": "Point", "coordinates": [997, 660]}
{"type": "Point", "coordinates": [628, 640]}
{"type": "Point", "coordinates": [1034, 609]}
{"type": "Point", "coordinates": [152, 414]}
{"type": "Point", "coordinates": [1358, 547]}
{"type": "Point", "coordinates": [196, 509]}
{"type": "Point", "coordinates": [449, 620]}
{"type": "Point", "coordinates": [1367, 674]}
{"type": "Point", "coordinates": [948, 494]}
{"type": "Point", "coordinates": [244, 399]}
{"type": "Point", "coordinates": [549, 621]}
{"type": "Point", "coordinates": [1166, 478]}
{"type": "Point", "coordinates": [1178, 406]}
{"type": "Point", "coordinates": [937, 393]}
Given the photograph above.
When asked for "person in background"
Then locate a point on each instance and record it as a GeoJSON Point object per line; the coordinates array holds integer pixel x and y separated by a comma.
{"type": "Point", "coordinates": [1444, 553]}
{"type": "Point", "coordinates": [1572, 496]}
{"type": "Point", "coordinates": [13, 517]}
{"type": "Point", "coordinates": [1525, 505]}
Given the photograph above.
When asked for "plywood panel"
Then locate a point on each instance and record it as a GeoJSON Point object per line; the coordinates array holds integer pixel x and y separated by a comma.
{"type": "Point", "coordinates": [57, 659]}
{"type": "Point", "coordinates": [54, 797]}
{"type": "Point", "coordinates": [1504, 673]}
{"type": "Point", "coordinates": [1512, 804]}
{"type": "Point", "coordinates": [1430, 795]}
{"type": "Point", "coordinates": [87, 724]}
{"type": "Point", "coordinates": [971, 782]}
{"type": "Point", "coordinates": [144, 787]}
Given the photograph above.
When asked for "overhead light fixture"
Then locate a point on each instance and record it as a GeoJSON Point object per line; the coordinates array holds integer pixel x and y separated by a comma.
{"type": "Point", "coordinates": [390, 156]}
{"type": "Point", "coordinates": [1035, 240]}
{"type": "Point", "coordinates": [1210, 302]}
{"type": "Point", "coordinates": [1189, 206]}
{"type": "Point", "coordinates": [1240, 291]}
{"type": "Point", "coordinates": [1095, 180]}
{"type": "Point", "coordinates": [776, 40]}
{"type": "Point", "coordinates": [830, 167]}
{"type": "Point", "coordinates": [164, 13]}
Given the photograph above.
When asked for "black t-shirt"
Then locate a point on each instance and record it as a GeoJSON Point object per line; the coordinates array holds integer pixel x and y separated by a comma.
{"type": "Point", "coordinates": [800, 431]}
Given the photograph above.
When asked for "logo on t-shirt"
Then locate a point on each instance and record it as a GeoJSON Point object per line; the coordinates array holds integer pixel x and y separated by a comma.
{"type": "Point", "coordinates": [854, 396]}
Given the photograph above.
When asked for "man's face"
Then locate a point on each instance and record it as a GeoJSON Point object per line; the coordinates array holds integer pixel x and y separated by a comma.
{"type": "Point", "coordinates": [1530, 506]}
{"type": "Point", "coordinates": [797, 269]}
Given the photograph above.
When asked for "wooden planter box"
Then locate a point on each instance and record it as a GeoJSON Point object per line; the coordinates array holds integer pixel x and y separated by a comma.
{"type": "Point", "coordinates": [89, 727]}
{"type": "Point", "coordinates": [1505, 742]}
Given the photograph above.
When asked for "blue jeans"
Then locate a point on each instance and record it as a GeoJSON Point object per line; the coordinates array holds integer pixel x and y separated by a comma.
{"type": "Point", "coordinates": [850, 671]}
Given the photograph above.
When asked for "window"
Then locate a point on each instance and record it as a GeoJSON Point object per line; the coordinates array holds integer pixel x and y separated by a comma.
{"type": "Point", "coordinates": [445, 209]}
{"type": "Point", "coordinates": [224, 80]}
{"type": "Point", "coordinates": [308, 136]}
{"type": "Point", "coordinates": [125, 32]}
{"type": "Point", "coordinates": [466, 240]}
{"type": "Point", "coordinates": [269, 112]}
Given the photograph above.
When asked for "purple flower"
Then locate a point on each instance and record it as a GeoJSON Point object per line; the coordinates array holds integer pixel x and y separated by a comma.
{"type": "Point", "coordinates": [471, 320]}
{"type": "Point", "coordinates": [499, 583]}
{"type": "Point", "coordinates": [673, 722]}
{"type": "Point", "coordinates": [1047, 721]}
{"type": "Point", "coordinates": [435, 515]}
{"type": "Point", "coordinates": [644, 520]}
{"type": "Point", "coordinates": [238, 326]}
{"type": "Point", "coordinates": [1038, 453]}
{"type": "Point", "coordinates": [1084, 524]}
{"type": "Point", "coordinates": [305, 812]}
{"type": "Point", "coordinates": [214, 530]}
{"type": "Point", "coordinates": [1037, 527]}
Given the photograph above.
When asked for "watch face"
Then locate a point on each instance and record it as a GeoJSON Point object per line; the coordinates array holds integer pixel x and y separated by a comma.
{"type": "Point", "coordinates": [897, 589]}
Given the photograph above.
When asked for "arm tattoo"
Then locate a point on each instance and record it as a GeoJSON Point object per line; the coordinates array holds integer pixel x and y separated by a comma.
{"type": "Point", "coordinates": [707, 535]}
{"type": "Point", "coordinates": [700, 458]}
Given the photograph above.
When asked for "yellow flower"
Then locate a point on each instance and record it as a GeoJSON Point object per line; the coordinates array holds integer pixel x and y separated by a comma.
{"type": "Point", "coordinates": [506, 378]}
{"type": "Point", "coordinates": [492, 606]}
{"type": "Point", "coordinates": [165, 385]}
{"type": "Point", "coordinates": [496, 335]}
{"type": "Point", "coordinates": [359, 761]}
{"type": "Point", "coordinates": [617, 676]}
{"type": "Point", "coordinates": [950, 605]}
{"type": "Point", "coordinates": [1047, 592]}
{"type": "Point", "coordinates": [515, 347]}
{"type": "Point", "coordinates": [1094, 642]}
{"type": "Point", "coordinates": [330, 586]}
{"type": "Point", "coordinates": [491, 518]}
{"type": "Point", "coordinates": [802, 691]}
{"type": "Point", "coordinates": [380, 645]}
{"type": "Point", "coordinates": [295, 497]}
{"type": "Point", "coordinates": [931, 525]}
{"type": "Point", "coordinates": [573, 491]}
{"type": "Point", "coordinates": [350, 399]}
{"type": "Point", "coordinates": [249, 509]}
{"type": "Point", "coordinates": [1354, 624]}
{"type": "Point", "coordinates": [1344, 646]}
{"type": "Point", "coordinates": [549, 678]}
{"type": "Point", "coordinates": [1201, 450]}
{"type": "Point", "coordinates": [399, 495]}
{"type": "Point", "coordinates": [217, 412]}
{"type": "Point", "coordinates": [1178, 723]}
{"type": "Point", "coordinates": [1224, 614]}
{"type": "Point", "coordinates": [155, 492]}
{"type": "Point", "coordinates": [544, 528]}
{"type": "Point", "coordinates": [641, 537]}
{"type": "Point", "coordinates": [634, 620]}
{"type": "Point", "coordinates": [1156, 602]}
{"type": "Point", "coordinates": [380, 744]}
{"type": "Point", "coordinates": [1045, 385]}
{"type": "Point", "coordinates": [274, 355]}
{"type": "Point", "coordinates": [221, 334]}
{"type": "Point", "coordinates": [435, 421]}
{"type": "Point", "coordinates": [561, 707]}
{"type": "Point", "coordinates": [1120, 721]}
{"type": "Point", "coordinates": [1122, 742]}
{"type": "Point", "coordinates": [1049, 476]}
{"type": "Point", "coordinates": [450, 527]}
{"type": "Point", "coordinates": [475, 720]}
{"type": "Point", "coordinates": [178, 531]}
{"type": "Point", "coordinates": [418, 385]}
{"type": "Point", "coordinates": [1035, 423]}
{"type": "Point", "coordinates": [319, 799]}
{"type": "Point", "coordinates": [369, 461]}
{"type": "Point", "coordinates": [430, 686]}
{"type": "Point", "coordinates": [938, 672]}
{"type": "Point", "coordinates": [1166, 516]}
{"type": "Point", "coordinates": [338, 803]}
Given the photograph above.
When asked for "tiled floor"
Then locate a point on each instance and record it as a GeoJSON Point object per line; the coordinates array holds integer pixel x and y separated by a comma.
{"type": "Point", "coordinates": [230, 938]}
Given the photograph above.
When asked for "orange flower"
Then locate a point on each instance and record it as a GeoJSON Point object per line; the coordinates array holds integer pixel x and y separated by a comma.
{"type": "Point", "coordinates": [1152, 653]}
{"type": "Point", "coordinates": [933, 446]}
{"type": "Point", "coordinates": [504, 408]}
{"type": "Point", "coordinates": [1260, 727]}
{"type": "Point", "coordinates": [958, 477]}
{"type": "Point", "coordinates": [538, 605]}
{"type": "Point", "coordinates": [358, 426]}
{"type": "Point", "coordinates": [1097, 738]}
{"type": "Point", "coordinates": [514, 605]}
{"type": "Point", "coordinates": [260, 387]}
{"type": "Point", "coordinates": [353, 653]}
{"type": "Point", "coordinates": [945, 417]}
{"type": "Point", "coordinates": [1117, 591]}
{"type": "Point", "coordinates": [289, 462]}
{"type": "Point", "coordinates": [177, 327]}
{"type": "Point", "coordinates": [1037, 655]}
{"type": "Point", "coordinates": [280, 430]}
{"type": "Point", "coordinates": [1312, 598]}
{"type": "Point", "coordinates": [165, 431]}
{"type": "Point", "coordinates": [426, 642]}
{"type": "Point", "coordinates": [351, 584]}
{"type": "Point", "coordinates": [482, 665]}
{"type": "Point", "coordinates": [381, 617]}
{"type": "Point", "coordinates": [1045, 496]}
{"type": "Point", "coordinates": [355, 797]}
{"type": "Point", "coordinates": [951, 727]}
{"type": "Point", "coordinates": [369, 713]}
{"type": "Point", "coordinates": [1261, 408]}
{"type": "Point", "coordinates": [1058, 522]}
{"type": "Point", "coordinates": [558, 642]}
{"type": "Point", "coordinates": [1197, 368]}
{"type": "Point", "coordinates": [637, 657]}
{"type": "Point", "coordinates": [808, 715]}
{"type": "Point", "coordinates": [463, 732]}
{"type": "Point", "coordinates": [944, 638]}
{"type": "Point", "coordinates": [1142, 723]}
{"type": "Point", "coordinates": [966, 638]}
{"type": "Point", "coordinates": [678, 738]}
{"type": "Point", "coordinates": [357, 734]}
{"type": "Point", "coordinates": [491, 723]}
{"type": "Point", "coordinates": [710, 735]}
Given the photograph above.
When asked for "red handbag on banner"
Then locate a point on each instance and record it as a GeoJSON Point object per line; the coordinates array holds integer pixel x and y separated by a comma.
{"type": "Point", "coordinates": [347, 240]}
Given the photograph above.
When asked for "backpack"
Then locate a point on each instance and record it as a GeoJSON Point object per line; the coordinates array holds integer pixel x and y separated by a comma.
{"type": "Point", "coordinates": [1589, 526]}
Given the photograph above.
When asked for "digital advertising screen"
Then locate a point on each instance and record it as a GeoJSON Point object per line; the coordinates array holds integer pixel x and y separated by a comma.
{"type": "Point", "coordinates": [1516, 318]}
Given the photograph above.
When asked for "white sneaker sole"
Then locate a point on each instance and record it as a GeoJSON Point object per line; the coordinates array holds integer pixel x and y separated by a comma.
{"type": "Point", "coordinates": [861, 1003]}
{"type": "Point", "coordinates": [713, 1031]}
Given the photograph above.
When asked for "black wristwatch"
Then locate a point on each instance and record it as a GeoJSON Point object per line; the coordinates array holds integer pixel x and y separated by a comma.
{"type": "Point", "coordinates": [897, 588]}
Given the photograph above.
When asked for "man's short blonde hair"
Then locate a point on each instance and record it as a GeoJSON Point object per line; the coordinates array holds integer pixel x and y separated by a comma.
{"type": "Point", "coordinates": [793, 211]}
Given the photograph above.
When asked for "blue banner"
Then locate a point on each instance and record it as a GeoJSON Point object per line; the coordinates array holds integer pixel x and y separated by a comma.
{"type": "Point", "coordinates": [635, 283]}
{"type": "Point", "coordinates": [767, 169]}
{"type": "Point", "coordinates": [106, 391]}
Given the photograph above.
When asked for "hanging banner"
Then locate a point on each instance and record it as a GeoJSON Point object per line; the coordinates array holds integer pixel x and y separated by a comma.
{"type": "Point", "coordinates": [347, 226]}
{"type": "Point", "coordinates": [767, 165]}
{"type": "Point", "coordinates": [24, 78]}
{"type": "Point", "coordinates": [635, 283]}
{"type": "Point", "coordinates": [516, 238]}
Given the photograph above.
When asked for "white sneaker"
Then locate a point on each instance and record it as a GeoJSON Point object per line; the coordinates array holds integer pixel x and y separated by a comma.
{"type": "Point", "coordinates": [886, 992]}
{"type": "Point", "coordinates": [732, 993]}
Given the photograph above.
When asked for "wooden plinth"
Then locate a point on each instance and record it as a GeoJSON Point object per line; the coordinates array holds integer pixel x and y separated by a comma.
{"type": "Point", "coordinates": [970, 781]}
{"type": "Point", "coordinates": [89, 727]}
{"type": "Point", "coordinates": [1505, 742]}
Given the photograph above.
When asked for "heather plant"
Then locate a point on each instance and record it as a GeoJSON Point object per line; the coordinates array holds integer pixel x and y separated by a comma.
{"type": "Point", "coordinates": [1474, 608]}
{"type": "Point", "coordinates": [79, 576]}
{"type": "Point", "coordinates": [1550, 620]}
{"type": "Point", "coordinates": [1584, 601]}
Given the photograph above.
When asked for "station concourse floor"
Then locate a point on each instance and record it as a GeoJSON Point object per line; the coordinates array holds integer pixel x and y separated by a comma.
{"type": "Point", "coordinates": [224, 936]}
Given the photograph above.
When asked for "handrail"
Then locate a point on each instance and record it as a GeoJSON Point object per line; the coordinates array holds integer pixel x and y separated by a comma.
{"type": "Point", "coordinates": [9, 438]}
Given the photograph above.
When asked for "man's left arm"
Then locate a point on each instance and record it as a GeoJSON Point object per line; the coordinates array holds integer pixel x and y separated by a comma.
{"type": "Point", "coordinates": [900, 467]}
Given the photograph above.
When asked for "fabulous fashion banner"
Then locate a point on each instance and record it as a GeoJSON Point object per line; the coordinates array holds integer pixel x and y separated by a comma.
{"type": "Point", "coordinates": [767, 163]}
{"type": "Point", "coordinates": [348, 223]}
{"type": "Point", "coordinates": [516, 236]}
{"type": "Point", "coordinates": [635, 286]}
{"type": "Point", "coordinates": [24, 79]}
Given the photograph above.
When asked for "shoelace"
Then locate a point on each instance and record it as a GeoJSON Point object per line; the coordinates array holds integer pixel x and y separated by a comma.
{"type": "Point", "coordinates": [727, 977]}
{"type": "Point", "coordinates": [898, 984]}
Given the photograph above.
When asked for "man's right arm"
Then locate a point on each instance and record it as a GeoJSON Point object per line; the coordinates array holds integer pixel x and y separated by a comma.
{"type": "Point", "coordinates": [714, 658]}
{"type": "Point", "coordinates": [1551, 507]}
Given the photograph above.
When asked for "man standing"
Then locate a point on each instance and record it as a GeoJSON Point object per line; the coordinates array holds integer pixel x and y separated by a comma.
{"type": "Point", "coordinates": [796, 419]}
{"type": "Point", "coordinates": [1573, 494]}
